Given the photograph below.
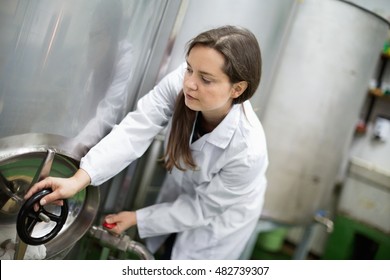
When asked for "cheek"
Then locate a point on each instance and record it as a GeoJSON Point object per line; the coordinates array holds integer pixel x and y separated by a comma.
{"type": "Point", "coordinates": [187, 81]}
{"type": "Point", "coordinates": [211, 100]}
{"type": "Point", "coordinates": [220, 94]}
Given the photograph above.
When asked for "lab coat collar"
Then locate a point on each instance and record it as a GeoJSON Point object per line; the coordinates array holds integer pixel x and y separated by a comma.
{"type": "Point", "coordinates": [223, 133]}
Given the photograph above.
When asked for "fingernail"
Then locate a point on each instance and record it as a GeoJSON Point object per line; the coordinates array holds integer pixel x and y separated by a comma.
{"type": "Point", "coordinates": [43, 201]}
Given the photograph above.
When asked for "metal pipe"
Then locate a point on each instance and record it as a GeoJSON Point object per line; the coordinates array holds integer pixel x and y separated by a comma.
{"type": "Point", "coordinates": [122, 243]}
{"type": "Point", "coordinates": [320, 217]}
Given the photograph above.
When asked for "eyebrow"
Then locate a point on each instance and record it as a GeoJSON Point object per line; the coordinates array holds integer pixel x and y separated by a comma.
{"type": "Point", "coordinates": [202, 72]}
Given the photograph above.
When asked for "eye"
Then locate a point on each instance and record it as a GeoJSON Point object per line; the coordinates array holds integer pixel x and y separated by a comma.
{"type": "Point", "coordinates": [189, 70]}
{"type": "Point", "coordinates": [206, 81]}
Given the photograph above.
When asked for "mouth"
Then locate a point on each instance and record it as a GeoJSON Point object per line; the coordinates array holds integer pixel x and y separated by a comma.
{"type": "Point", "coordinates": [189, 97]}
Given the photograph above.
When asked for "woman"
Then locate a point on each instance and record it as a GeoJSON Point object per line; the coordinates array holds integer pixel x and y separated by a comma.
{"type": "Point", "coordinates": [216, 153]}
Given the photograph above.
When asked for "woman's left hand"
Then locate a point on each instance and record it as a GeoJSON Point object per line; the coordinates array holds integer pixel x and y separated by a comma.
{"type": "Point", "coordinates": [122, 220]}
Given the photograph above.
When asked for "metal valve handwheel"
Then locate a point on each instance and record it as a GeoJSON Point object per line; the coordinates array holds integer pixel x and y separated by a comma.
{"type": "Point", "coordinates": [28, 219]}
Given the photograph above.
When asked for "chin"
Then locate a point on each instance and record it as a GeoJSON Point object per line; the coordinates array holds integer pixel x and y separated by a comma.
{"type": "Point", "coordinates": [191, 106]}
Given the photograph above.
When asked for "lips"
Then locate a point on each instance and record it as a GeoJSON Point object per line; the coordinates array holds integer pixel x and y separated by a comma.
{"type": "Point", "coordinates": [189, 97]}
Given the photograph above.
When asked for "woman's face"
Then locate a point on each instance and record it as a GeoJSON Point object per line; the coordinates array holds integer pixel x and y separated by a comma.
{"type": "Point", "coordinates": [206, 87]}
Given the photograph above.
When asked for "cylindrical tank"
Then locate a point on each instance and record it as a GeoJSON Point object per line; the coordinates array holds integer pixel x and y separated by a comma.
{"type": "Point", "coordinates": [314, 103]}
{"type": "Point", "coordinates": [69, 71]}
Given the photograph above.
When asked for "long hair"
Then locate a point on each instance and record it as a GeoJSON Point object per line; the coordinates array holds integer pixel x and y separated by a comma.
{"type": "Point", "coordinates": [243, 62]}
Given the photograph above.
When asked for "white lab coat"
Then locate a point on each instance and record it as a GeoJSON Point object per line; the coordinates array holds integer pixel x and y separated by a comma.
{"type": "Point", "coordinates": [215, 208]}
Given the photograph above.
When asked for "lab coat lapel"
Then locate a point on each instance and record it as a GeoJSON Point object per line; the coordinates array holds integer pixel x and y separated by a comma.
{"type": "Point", "coordinates": [198, 144]}
{"type": "Point", "coordinates": [223, 133]}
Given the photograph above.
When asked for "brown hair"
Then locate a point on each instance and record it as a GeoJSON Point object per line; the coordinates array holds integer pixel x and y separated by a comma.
{"type": "Point", "coordinates": [242, 63]}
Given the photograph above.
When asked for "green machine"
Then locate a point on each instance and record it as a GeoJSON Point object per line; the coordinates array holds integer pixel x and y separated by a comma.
{"type": "Point", "coordinates": [362, 223]}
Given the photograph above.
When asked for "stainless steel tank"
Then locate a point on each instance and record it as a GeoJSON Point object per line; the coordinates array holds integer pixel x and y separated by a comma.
{"type": "Point", "coordinates": [69, 71]}
{"type": "Point", "coordinates": [314, 103]}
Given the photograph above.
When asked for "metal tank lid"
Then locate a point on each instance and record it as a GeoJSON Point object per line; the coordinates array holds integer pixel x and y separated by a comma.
{"type": "Point", "coordinates": [22, 157]}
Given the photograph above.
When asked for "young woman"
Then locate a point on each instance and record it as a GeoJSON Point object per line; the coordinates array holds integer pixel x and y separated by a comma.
{"type": "Point", "coordinates": [215, 154]}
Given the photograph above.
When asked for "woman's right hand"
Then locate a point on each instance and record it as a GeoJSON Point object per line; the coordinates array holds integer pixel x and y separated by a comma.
{"type": "Point", "coordinates": [62, 188]}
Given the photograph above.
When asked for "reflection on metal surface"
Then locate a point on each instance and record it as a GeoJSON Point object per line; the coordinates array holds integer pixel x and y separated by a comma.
{"type": "Point", "coordinates": [68, 67]}
{"type": "Point", "coordinates": [19, 165]}
{"type": "Point", "coordinates": [10, 194]}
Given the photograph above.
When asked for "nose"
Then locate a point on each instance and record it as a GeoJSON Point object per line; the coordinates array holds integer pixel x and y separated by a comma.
{"type": "Point", "coordinates": [190, 83]}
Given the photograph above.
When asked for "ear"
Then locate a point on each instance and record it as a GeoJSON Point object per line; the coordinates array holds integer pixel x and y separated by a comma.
{"type": "Point", "coordinates": [238, 89]}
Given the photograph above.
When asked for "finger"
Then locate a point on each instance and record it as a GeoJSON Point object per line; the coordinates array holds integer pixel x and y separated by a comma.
{"type": "Point", "coordinates": [37, 187]}
{"type": "Point", "coordinates": [116, 230]}
{"type": "Point", "coordinates": [59, 202]}
{"type": "Point", "coordinates": [53, 197]}
{"type": "Point", "coordinates": [111, 219]}
{"type": "Point", "coordinates": [56, 203]}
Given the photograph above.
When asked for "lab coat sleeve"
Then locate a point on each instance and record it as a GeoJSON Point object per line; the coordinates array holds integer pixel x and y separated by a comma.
{"type": "Point", "coordinates": [240, 182]}
{"type": "Point", "coordinates": [130, 139]}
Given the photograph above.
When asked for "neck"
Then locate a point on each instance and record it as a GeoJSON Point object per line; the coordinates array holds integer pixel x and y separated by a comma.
{"type": "Point", "coordinates": [211, 119]}
{"type": "Point", "coordinates": [208, 124]}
